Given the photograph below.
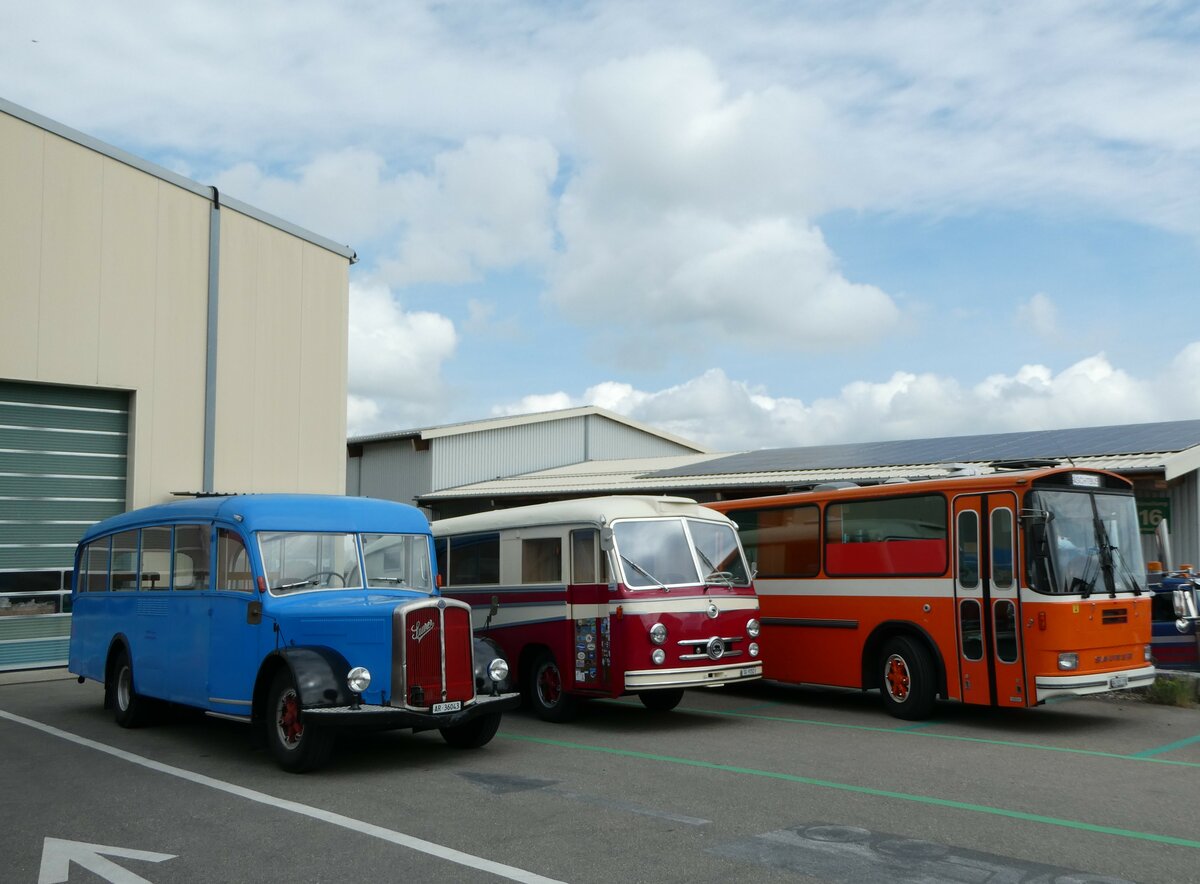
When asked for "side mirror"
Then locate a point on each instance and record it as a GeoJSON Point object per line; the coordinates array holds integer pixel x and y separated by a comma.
{"type": "Point", "coordinates": [606, 538]}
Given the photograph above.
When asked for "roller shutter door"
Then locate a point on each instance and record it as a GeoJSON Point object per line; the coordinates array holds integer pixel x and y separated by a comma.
{"type": "Point", "coordinates": [63, 466]}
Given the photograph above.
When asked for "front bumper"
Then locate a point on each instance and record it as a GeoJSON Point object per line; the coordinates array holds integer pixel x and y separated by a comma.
{"type": "Point", "coordinates": [692, 677]}
{"type": "Point", "coordinates": [1092, 683]}
{"type": "Point", "coordinates": [391, 717]}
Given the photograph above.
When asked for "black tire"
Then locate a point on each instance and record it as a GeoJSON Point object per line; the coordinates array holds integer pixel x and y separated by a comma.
{"type": "Point", "coordinates": [661, 700]}
{"type": "Point", "coordinates": [475, 733]}
{"type": "Point", "coordinates": [544, 690]}
{"type": "Point", "coordinates": [130, 709]}
{"type": "Point", "coordinates": [906, 679]}
{"type": "Point", "coordinates": [297, 746]}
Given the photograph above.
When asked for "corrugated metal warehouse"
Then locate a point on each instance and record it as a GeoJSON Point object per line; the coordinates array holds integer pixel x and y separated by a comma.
{"type": "Point", "coordinates": [157, 337]}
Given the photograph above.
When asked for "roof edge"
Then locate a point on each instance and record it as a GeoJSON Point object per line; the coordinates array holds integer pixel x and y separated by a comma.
{"type": "Point", "coordinates": [165, 174]}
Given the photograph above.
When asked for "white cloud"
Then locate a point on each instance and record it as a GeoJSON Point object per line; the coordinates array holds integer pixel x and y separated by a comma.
{"type": "Point", "coordinates": [1040, 315]}
{"type": "Point", "coordinates": [395, 360]}
{"type": "Point", "coordinates": [688, 219]}
{"type": "Point", "coordinates": [730, 415]}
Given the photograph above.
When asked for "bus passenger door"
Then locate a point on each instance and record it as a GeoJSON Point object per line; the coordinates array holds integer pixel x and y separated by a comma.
{"type": "Point", "coordinates": [987, 600]}
{"type": "Point", "coordinates": [235, 628]}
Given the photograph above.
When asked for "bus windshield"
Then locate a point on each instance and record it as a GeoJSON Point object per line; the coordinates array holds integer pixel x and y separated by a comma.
{"type": "Point", "coordinates": [666, 552]}
{"type": "Point", "coordinates": [295, 561]}
{"type": "Point", "coordinates": [1093, 544]}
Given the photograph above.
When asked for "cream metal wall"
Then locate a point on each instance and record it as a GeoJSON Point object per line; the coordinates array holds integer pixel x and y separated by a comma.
{"type": "Point", "coordinates": [105, 284]}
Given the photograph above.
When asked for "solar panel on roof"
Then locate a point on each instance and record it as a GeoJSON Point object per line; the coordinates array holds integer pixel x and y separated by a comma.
{"type": "Point", "coordinates": [1166, 436]}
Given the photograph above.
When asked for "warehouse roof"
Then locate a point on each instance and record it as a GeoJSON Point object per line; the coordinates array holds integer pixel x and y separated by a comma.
{"type": "Point", "coordinates": [517, 420]}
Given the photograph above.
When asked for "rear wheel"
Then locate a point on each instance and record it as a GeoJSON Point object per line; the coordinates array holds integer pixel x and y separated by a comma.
{"type": "Point", "coordinates": [544, 687]}
{"type": "Point", "coordinates": [906, 676]}
{"type": "Point", "coordinates": [661, 701]}
{"type": "Point", "coordinates": [475, 733]}
{"type": "Point", "coordinates": [297, 745]}
{"type": "Point", "coordinates": [130, 709]}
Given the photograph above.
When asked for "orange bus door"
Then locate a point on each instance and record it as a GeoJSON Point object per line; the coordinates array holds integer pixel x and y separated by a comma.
{"type": "Point", "coordinates": [987, 600]}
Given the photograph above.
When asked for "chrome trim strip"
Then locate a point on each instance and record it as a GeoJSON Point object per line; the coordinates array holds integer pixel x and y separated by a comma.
{"type": "Point", "coordinates": [809, 621]}
{"type": "Point", "coordinates": [706, 657]}
{"type": "Point", "coordinates": [225, 702]}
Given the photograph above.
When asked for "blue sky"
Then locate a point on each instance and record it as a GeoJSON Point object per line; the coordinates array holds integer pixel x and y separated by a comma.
{"type": "Point", "coordinates": [753, 224]}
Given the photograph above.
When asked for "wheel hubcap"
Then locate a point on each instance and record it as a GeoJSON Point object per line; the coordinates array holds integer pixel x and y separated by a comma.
{"type": "Point", "coordinates": [287, 719]}
{"type": "Point", "coordinates": [896, 678]}
{"type": "Point", "coordinates": [124, 687]}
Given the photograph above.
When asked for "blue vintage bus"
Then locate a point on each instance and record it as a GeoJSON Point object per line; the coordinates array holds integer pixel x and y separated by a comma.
{"type": "Point", "coordinates": [299, 613]}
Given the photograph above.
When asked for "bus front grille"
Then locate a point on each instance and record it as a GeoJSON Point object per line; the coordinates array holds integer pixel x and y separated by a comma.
{"type": "Point", "coordinates": [432, 654]}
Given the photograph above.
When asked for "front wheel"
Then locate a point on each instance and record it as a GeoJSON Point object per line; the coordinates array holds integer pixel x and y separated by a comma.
{"type": "Point", "coordinates": [475, 733]}
{"type": "Point", "coordinates": [661, 701]}
{"type": "Point", "coordinates": [906, 679]}
{"type": "Point", "coordinates": [296, 745]}
{"type": "Point", "coordinates": [130, 709]}
{"type": "Point", "coordinates": [546, 692]}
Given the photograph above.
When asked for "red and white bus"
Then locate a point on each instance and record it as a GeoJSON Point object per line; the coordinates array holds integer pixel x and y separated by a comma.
{"type": "Point", "coordinates": [607, 596]}
{"type": "Point", "coordinates": [1004, 589]}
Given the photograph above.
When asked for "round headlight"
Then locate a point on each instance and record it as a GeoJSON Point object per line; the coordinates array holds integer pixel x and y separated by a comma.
{"type": "Point", "coordinates": [658, 655]}
{"type": "Point", "coordinates": [658, 633]}
{"type": "Point", "coordinates": [753, 627]}
{"type": "Point", "coordinates": [498, 669]}
{"type": "Point", "coordinates": [358, 679]}
{"type": "Point", "coordinates": [753, 649]}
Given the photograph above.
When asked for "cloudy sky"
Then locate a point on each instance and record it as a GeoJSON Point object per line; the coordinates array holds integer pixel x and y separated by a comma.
{"type": "Point", "coordinates": [753, 224]}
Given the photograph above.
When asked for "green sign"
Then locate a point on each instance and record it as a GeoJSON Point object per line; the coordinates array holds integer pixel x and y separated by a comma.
{"type": "Point", "coordinates": [1151, 511]}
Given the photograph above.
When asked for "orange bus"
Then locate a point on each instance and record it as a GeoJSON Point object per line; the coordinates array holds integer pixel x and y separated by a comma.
{"type": "Point", "coordinates": [1004, 589]}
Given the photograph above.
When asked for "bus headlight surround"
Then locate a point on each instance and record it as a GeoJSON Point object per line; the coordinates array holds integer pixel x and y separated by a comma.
{"type": "Point", "coordinates": [753, 649]}
{"type": "Point", "coordinates": [753, 627]}
{"type": "Point", "coordinates": [498, 669]}
{"type": "Point", "coordinates": [1068, 662]}
{"type": "Point", "coordinates": [658, 633]}
{"type": "Point", "coordinates": [358, 679]}
{"type": "Point", "coordinates": [658, 655]}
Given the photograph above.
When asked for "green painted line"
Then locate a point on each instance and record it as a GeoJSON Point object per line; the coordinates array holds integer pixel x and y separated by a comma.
{"type": "Point", "coordinates": [1170, 747]}
{"type": "Point", "coordinates": [866, 790]}
{"type": "Point", "coordinates": [909, 731]}
{"type": "Point", "coordinates": [916, 727]}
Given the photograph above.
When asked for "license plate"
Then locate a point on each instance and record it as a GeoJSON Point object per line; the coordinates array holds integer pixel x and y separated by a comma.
{"type": "Point", "coordinates": [1118, 681]}
{"type": "Point", "coordinates": [447, 707]}
{"type": "Point", "coordinates": [753, 671]}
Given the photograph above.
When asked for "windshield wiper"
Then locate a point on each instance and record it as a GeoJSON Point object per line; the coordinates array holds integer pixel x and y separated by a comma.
{"type": "Point", "coordinates": [396, 580]}
{"type": "Point", "coordinates": [298, 584]}
{"type": "Point", "coordinates": [723, 578]}
{"type": "Point", "coordinates": [1106, 549]}
{"type": "Point", "coordinates": [644, 572]}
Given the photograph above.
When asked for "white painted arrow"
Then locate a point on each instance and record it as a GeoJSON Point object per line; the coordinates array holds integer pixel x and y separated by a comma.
{"type": "Point", "coordinates": [58, 854]}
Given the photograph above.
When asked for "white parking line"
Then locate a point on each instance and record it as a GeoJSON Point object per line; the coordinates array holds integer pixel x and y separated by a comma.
{"type": "Point", "coordinates": [447, 853]}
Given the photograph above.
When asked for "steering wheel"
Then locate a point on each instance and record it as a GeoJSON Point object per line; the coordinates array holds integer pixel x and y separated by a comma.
{"type": "Point", "coordinates": [319, 577]}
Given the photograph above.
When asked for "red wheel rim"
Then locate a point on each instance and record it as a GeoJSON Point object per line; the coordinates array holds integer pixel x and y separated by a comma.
{"type": "Point", "coordinates": [896, 678]}
{"type": "Point", "coordinates": [288, 722]}
{"type": "Point", "coordinates": [549, 684]}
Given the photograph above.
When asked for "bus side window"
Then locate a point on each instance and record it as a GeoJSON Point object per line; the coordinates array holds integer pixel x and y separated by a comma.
{"type": "Point", "coordinates": [474, 559]}
{"type": "Point", "coordinates": [586, 566]}
{"type": "Point", "coordinates": [541, 560]}
{"type": "Point", "coordinates": [441, 552]}
{"type": "Point", "coordinates": [94, 565]}
{"type": "Point", "coordinates": [233, 563]}
{"type": "Point", "coordinates": [124, 573]}
{"type": "Point", "coordinates": [192, 546]}
{"type": "Point", "coordinates": [154, 573]}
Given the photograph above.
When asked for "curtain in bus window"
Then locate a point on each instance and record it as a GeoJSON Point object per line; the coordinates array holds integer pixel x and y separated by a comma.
{"type": "Point", "coordinates": [781, 542]}
{"type": "Point", "coordinates": [155, 570]}
{"type": "Point", "coordinates": [891, 536]}
{"type": "Point", "coordinates": [541, 560]}
{"type": "Point", "coordinates": [192, 547]}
